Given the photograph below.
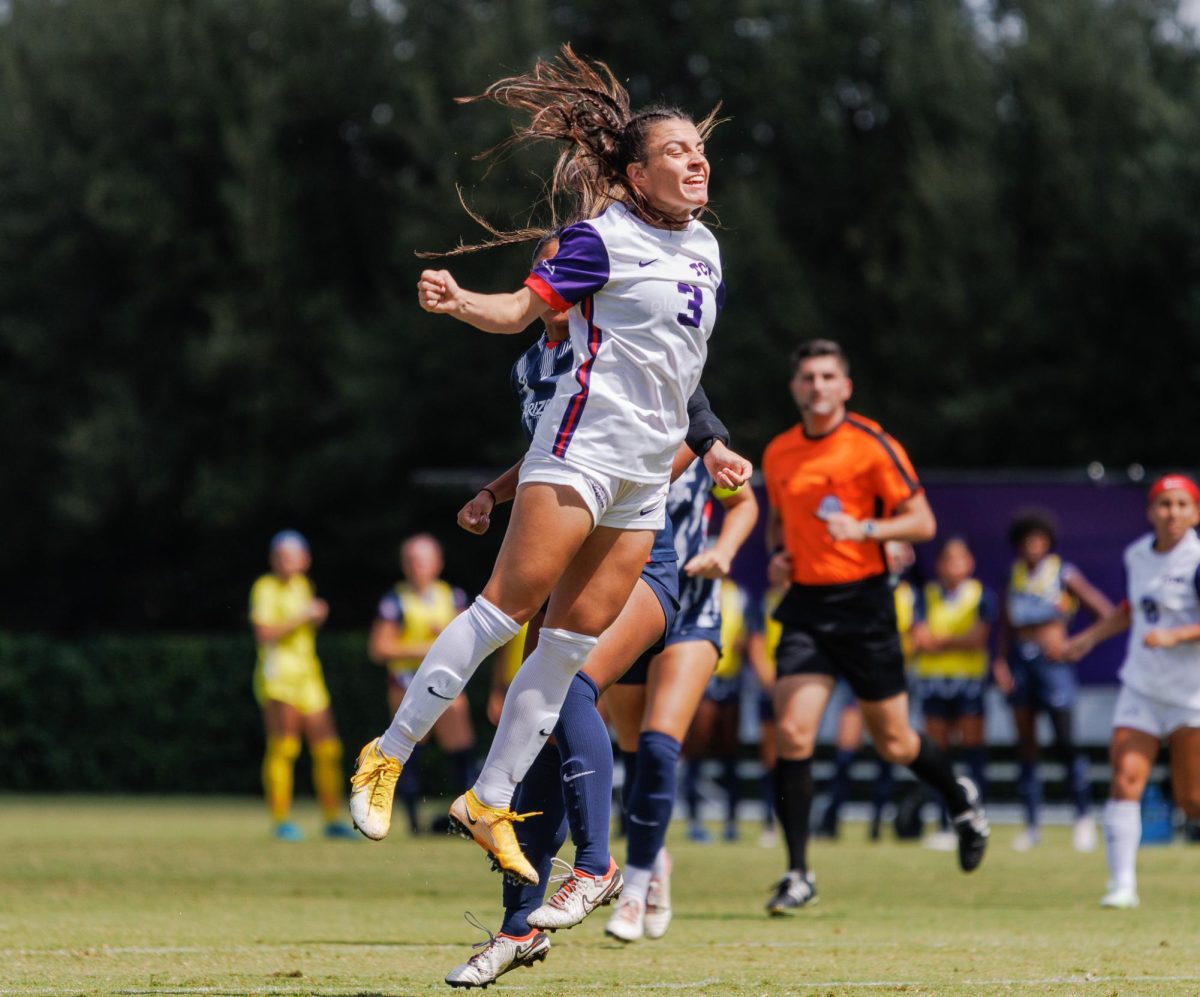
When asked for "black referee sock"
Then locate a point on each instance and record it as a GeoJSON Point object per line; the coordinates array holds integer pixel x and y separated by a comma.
{"type": "Point", "coordinates": [932, 766]}
{"type": "Point", "coordinates": [793, 804]}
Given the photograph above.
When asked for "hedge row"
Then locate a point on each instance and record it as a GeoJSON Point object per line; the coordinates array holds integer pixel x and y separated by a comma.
{"type": "Point", "coordinates": [160, 714]}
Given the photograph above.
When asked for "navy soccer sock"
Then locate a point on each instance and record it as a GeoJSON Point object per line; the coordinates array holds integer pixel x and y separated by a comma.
{"type": "Point", "coordinates": [408, 788]}
{"type": "Point", "coordinates": [1029, 788]}
{"type": "Point", "coordinates": [629, 766]}
{"type": "Point", "coordinates": [464, 769]}
{"type": "Point", "coordinates": [733, 790]}
{"type": "Point", "coordinates": [691, 788]}
{"type": "Point", "coordinates": [839, 787]}
{"type": "Point", "coordinates": [540, 837]}
{"type": "Point", "coordinates": [587, 774]}
{"type": "Point", "coordinates": [1074, 760]}
{"type": "Point", "coordinates": [653, 797]}
{"type": "Point", "coordinates": [766, 790]}
{"type": "Point", "coordinates": [885, 785]}
{"type": "Point", "coordinates": [976, 759]}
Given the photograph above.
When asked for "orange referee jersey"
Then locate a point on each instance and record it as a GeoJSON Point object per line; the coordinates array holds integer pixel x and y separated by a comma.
{"type": "Point", "coordinates": [857, 469]}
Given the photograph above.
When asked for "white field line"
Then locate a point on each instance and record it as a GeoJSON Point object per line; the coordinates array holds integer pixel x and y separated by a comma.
{"type": "Point", "coordinates": [283, 988]}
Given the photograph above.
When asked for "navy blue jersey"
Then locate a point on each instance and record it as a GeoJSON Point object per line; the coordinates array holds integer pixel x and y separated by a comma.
{"type": "Point", "coordinates": [689, 508]}
{"type": "Point", "coordinates": [534, 376]}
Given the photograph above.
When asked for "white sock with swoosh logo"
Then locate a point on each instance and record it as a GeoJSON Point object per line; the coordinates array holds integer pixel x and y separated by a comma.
{"type": "Point", "coordinates": [467, 640]}
{"type": "Point", "coordinates": [530, 712]}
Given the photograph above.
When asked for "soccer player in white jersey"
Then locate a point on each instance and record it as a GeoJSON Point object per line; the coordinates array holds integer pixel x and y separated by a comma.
{"type": "Point", "coordinates": [642, 280]}
{"type": "Point", "coordinates": [1160, 678]}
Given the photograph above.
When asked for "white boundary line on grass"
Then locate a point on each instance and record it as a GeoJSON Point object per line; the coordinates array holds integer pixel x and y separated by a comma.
{"type": "Point", "coordinates": [282, 986]}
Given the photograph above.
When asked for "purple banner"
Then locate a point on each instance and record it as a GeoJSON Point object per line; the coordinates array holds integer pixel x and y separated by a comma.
{"type": "Point", "coordinates": [1096, 521]}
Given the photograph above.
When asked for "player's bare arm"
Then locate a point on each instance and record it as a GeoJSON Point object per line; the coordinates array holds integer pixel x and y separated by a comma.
{"type": "Point", "coordinates": [1117, 621]}
{"type": "Point", "coordinates": [269, 633]}
{"type": "Point", "coordinates": [476, 516]}
{"type": "Point", "coordinates": [1173, 636]}
{"type": "Point", "coordinates": [1090, 597]}
{"type": "Point", "coordinates": [741, 513]}
{"type": "Point", "coordinates": [385, 644]}
{"type": "Point", "coordinates": [727, 468]}
{"type": "Point", "coordinates": [502, 314]}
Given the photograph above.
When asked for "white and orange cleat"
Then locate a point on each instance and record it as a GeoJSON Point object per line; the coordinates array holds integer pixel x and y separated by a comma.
{"type": "Point", "coordinates": [579, 895]}
{"type": "Point", "coordinates": [658, 898]}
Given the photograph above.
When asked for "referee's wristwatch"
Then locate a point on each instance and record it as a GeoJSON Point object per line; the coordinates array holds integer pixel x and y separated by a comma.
{"type": "Point", "coordinates": [868, 528]}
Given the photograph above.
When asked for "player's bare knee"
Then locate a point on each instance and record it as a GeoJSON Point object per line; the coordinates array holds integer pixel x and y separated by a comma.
{"type": "Point", "coordinates": [897, 749]}
{"type": "Point", "coordinates": [1126, 788]}
{"type": "Point", "coordinates": [795, 740]}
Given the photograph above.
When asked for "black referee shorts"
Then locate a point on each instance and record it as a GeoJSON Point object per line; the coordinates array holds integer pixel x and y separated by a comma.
{"type": "Point", "coordinates": [843, 631]}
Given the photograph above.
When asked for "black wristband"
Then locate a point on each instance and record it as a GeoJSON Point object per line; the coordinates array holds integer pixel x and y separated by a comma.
{"type": "Point", "coordinates": [491, 493]}
{"type": "Point", "coordinates": [707, 445]}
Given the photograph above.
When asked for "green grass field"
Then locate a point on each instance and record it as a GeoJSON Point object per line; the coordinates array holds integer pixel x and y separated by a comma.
{"type": "Point", "coordinates": [192, 897]}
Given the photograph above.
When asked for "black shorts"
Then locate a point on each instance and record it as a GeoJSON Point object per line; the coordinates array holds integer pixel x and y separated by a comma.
{"type": "Point", "coordinates": [843, 631]}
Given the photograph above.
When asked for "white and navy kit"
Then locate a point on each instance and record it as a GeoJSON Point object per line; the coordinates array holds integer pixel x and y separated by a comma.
{"type": "Point", "coordinates": [534, 377]}
{"type": "Point", "coordinates": [1036, 597]}
{"type": "Point", "coordinates": [1161, 685]}
{"type": "Point", "coordinates": [643, 302]}
{"type": "Point", "coordinates": [689, 506]}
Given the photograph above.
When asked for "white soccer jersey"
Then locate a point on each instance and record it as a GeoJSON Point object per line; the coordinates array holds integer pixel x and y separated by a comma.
{"type": "Point", "coordinates": [643, 302]}
{"type": "Point", "coordinates": [1164, 591]}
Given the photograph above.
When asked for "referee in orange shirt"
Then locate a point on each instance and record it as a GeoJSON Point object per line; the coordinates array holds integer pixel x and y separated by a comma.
{"type": "Point", "coordinates": [838, 487]}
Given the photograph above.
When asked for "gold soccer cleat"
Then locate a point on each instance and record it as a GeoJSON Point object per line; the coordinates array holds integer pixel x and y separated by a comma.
{"type": "Point", "coordinates": [372, 787]}
{"type": "Point", "coordinates": [492, 830]}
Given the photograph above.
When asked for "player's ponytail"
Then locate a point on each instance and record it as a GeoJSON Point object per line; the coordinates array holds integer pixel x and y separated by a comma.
{"type": "Point", "coordinates": [580, 105]}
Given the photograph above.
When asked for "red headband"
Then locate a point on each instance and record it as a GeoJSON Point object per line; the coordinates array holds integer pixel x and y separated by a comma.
{"type": "Point", "coordinates": [1170, 482]}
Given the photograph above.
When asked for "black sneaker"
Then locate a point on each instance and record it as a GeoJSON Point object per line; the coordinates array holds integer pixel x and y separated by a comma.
{"type": "Point", "coordinates": [795, 890]}
{"type": "Point", "coordinates": [972, 829]}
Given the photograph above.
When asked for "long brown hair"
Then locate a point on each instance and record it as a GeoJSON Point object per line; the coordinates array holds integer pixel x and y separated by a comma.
{"type": "Point", "coordinates": [580, 104]}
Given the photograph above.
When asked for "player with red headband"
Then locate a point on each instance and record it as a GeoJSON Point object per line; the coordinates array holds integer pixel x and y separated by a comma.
{"type": "Point", "coordinates": [1160, 678]}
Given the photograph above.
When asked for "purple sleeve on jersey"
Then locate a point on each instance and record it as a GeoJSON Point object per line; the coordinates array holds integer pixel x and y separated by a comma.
{"type": "Point", "coordinates": [720, 296]}
{"type": "Point", "coordinates": [1196, 581]}
{"type": "Point", "coordinates": [390, 609]}
{"type": "Point", "coordinates": [581, 267]}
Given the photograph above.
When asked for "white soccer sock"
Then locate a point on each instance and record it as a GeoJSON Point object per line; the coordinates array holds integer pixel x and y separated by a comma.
{"type": "Point", "coordinates": [1122, 835]}
{"type": "Point", "coordinates": [637, 883]}
{"type": "Point", "coordinates": [661, 868]}
{"type": "Point", "coordinates": [467, 640]}
{"type": "Point", "coordinates": [530, 712]}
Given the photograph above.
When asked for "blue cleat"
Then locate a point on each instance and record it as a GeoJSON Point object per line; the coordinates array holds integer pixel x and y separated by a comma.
{"type": "Point", "coordinates": [287, 831]}
{"type": "Point", "coordinates": [340, 831]}
{"type": "Point", "coordinates": [698, 833]}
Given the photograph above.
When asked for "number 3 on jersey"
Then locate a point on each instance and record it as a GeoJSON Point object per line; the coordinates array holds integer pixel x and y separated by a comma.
{"type": "Point", "coordinates": [695, 296]}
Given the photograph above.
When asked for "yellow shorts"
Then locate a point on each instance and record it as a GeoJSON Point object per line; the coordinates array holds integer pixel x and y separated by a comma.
{"type": "Point", "coordinates": [302, 687]}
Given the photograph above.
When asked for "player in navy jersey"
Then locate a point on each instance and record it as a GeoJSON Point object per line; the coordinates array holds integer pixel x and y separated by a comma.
{"type": "Point", "coordinates": [1160, 677]}
{"type": "Point", "coordinates": [574, 772]}
{"type": "Point", "coordinates": [653, 704]}
{"type": "Point", "coordinates": [641, 278]}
